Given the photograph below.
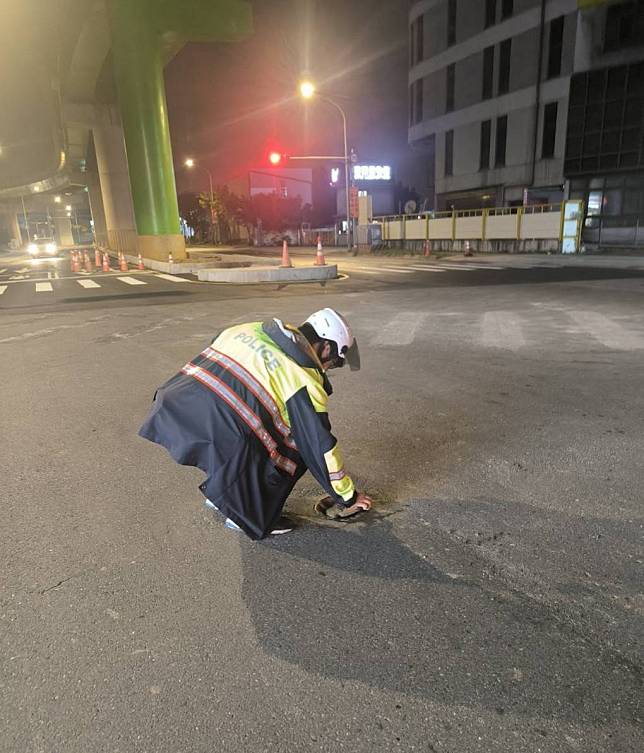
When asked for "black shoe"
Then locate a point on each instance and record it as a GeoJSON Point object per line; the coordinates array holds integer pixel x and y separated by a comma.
{"type": "Point", "coordinates": [283, 525]}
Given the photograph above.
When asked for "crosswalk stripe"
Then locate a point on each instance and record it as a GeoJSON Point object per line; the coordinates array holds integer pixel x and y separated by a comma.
{"type": "Point", "coordinates": [131, 281]}
{"type": "Point", "coordinates": [502, 329]}
{"type": "Point", "coordinates": [3, 288]}
{"type": "Point", "coordinates": [44, 287]}
{"type": "Point", "coordinates": [88, 284]}
{"type": "Point", "coordinates": [608, 332]}
{"type": "Point", "coordinates": [427, 268]}
{"type": "Point", "coordinates": [402, 329]}
{"type": "Point", "coordinates": [172, 278]}
{"type": "Point", "coordinates": [395, 270]}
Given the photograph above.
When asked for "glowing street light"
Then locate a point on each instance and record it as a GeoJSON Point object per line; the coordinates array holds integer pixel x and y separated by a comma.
{"type": "Point", "coordinates": [307, 89]}
{"type": "Point", "coordinates": [190, 163]}
{"type": "Point", "coordinates": [57, 199]}
{"type": "Point", "coordinates": [68, 208]}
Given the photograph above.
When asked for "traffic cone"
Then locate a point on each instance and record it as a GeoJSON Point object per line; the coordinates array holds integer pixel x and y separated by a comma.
{"type": "Point", "coordinates": [319, 256]}
{"type": "Point", "coordinates": [106, 262]}
{"type": "Point", "coordinates": [97, 258]}
{"type": "Point", "coordinates": [88, 263]}
{"type": "Point", "coordinates": [427, 249]}
{"type": "Point", "coordinates": [286, 259]}
{"type": "Point", "coordinates": [140, 264]}
{"type": "Point", "coordinates": [170, 259]}
{"type": "Point", "coordinates": [123, 263]}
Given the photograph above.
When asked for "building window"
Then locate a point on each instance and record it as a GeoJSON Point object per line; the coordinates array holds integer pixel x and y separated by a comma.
{"type": "Point", "coordinates": [490, 13]}
{"type": "Point", "coordinates": [505, 52]}
{"type": "Point", "coordinates": [624, 26]}
{"type": "Point", "coordinates": [416, 102]}
{"type": "Point", "coordinates": [555, 47]}
{"type": "Point", "coordinates": [549, 130]}
{"type": "Point", "coordinates": [449, 97]}
{"type": "Point", "coordinates": [451, 22]}
{"type": "Point", "coordinates": [606, 120]}
{"type": "Point", "coordinates": [488, 72]}
{"type": "Point", "coordinates": [449, 152]}
{"type": "Point", "coordinates": [486, 132]}
{"type": "Point", "coordinates": [420, 38]}
{"type": "Point", "coordinates": [412, 46]}
{"type": "Point", "coordinates": [501, 138]}
{"type": "Point", "coordinates": [507, 8]}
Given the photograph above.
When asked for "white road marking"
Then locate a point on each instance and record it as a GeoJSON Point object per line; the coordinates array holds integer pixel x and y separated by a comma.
{"type": "Point", "coordinates": [395, 270]}
{"type": "Point", "coordinates": [4, 269]}
{"type": "Point", "coordinates": [172, 278]}
{"type": "Point", "coordinates": [427, 268]}
{"type": "Point", "coordinates": [44, 287]}
{"type": "Point", "coordinates": [3, 288]}
{"type": "Point", "coordinates": [131, 281]}
{"type": "Point", "coordinates": [88, 283]}
{"type": "Point", "coordinates": [466, 266]}
{"type": "Point", "coordinates": [402, 329]}
{"type": "Point", "coordinates": [608, 332]}
{"type": "Point", "coordinates": [502, 329]}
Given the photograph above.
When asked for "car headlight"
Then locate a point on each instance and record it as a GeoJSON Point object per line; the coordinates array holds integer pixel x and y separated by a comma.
{"type": "Point", "coordinates": [50, 248]}
{"type": "Point", "coordinates": [32, 248]}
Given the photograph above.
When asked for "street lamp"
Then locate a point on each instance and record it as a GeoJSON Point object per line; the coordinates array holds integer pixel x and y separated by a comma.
{"type": "Point", "coordinates": [308, 91]}
{"type": "Point", "coordinates": [190, 163]}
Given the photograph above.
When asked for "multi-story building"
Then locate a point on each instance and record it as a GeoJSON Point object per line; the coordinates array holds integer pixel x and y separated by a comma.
{"type": "Point", "coordinates": [532, 101]}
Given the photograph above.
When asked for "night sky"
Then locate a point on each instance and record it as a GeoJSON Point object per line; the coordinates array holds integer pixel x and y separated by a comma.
{"type": "Point", "coordinates": [229, 104]}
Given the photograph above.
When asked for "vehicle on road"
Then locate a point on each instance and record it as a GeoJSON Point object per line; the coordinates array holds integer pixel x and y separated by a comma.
{"type": "Point", "coordinates": [40, 247]}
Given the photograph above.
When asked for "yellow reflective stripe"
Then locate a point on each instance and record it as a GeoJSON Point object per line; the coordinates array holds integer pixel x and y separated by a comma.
{"type": "Point", "coordinates": [340, 480]}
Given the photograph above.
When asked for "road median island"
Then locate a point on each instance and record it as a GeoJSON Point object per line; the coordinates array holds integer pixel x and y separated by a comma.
{"type": "Point", "coordinates": [264, 273]}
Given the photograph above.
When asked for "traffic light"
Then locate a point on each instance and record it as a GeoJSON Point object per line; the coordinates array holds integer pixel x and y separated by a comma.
{"type": "Point", "coordinates": [275, 158]}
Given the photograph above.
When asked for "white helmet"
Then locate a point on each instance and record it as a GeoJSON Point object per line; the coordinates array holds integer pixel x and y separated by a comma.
{"type": "Point", "coordinates": [331, 325]}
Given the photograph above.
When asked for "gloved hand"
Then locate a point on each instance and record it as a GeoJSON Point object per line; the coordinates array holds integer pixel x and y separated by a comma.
{"type": "Point", "coordinates": [336, 511]}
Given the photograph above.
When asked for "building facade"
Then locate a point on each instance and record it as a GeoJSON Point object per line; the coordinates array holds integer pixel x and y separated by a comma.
{"type": "Point", "coordinates": [532, 101]}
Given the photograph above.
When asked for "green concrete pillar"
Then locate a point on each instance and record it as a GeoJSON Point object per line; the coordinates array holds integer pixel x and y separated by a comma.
{"type": "Point", "coordinates": [139, 80]}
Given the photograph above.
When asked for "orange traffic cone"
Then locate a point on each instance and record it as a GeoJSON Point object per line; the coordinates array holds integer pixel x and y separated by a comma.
{"type": "Point", "coordinates": [123, 263]}
{"type": "Point", "coordinates": [88, 263]}
{"type": "Point", "coordinates": [106, 262]}
{"type": "Point", "coordinates": [319, 256]}
{"type": "Point", "coordinates": [140, 264]}
{"type": "Point", "coordinates": [427, 249]}
{"type": "Point", "coordinates": [97, 258]}
{"type": "Point", "coordinates": [286, 259]}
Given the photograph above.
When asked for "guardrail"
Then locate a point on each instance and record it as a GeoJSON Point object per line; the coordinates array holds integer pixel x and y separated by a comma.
{"type": "Point", "coordinates": [539, 222]}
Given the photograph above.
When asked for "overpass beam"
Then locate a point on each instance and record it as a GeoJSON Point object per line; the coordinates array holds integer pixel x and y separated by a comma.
{"type": "Point", "coordinates": [139, 81]}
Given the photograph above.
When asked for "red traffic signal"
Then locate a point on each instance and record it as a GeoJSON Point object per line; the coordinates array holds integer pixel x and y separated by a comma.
{"type": "Point", "coordinates": [275, 158]}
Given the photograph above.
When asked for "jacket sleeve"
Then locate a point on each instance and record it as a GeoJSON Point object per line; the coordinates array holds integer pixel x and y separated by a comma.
{"type": "Point", "coordinates": [319, 449]}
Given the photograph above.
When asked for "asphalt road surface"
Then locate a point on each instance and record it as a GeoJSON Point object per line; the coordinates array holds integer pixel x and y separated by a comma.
{"type": "Point", "coordinates": [492, 601]}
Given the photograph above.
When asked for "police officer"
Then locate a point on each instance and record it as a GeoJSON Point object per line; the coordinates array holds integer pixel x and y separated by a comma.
{"type": "Point", "coordinates": [251, 412]}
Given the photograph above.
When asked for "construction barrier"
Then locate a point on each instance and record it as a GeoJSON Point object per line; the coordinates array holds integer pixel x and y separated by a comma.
{"type": "Point", "coordinates": [471, 228]}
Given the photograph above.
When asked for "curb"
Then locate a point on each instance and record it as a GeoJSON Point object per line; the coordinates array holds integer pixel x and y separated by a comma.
{"type": "Point", "coordinates": [269, 274]}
